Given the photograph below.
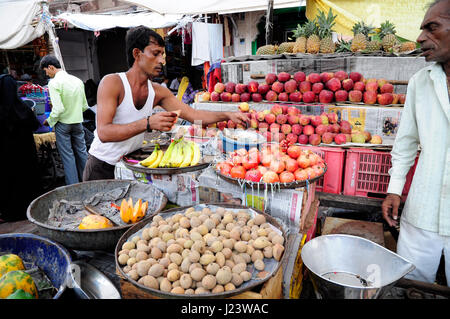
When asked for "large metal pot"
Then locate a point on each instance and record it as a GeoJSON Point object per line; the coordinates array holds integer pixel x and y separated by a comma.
{"type": "Point", "coordinates": [272, 265]}
{"type": "Point", "coordinates": [87, 239]}
{"type": "Point", "coordinates": [352, 267]}
{"type": "Point", "coordinates": [40, 252]}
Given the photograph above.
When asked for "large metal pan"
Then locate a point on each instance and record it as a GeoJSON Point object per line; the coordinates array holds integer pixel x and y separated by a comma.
{"type": "Point", "coordinates": [88, 239]}
{"type": "Point", "coordinates": [272, 265]}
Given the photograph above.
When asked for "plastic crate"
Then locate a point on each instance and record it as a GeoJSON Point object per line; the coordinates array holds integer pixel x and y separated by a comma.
{"type": "Point", "coordinates": [367, 173]}
{"type": "Point", "coordinates": [334, 157]}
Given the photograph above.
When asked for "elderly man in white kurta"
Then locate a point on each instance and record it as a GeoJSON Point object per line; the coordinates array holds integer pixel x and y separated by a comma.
{"type": "Point", "coordinates": [425, 222]}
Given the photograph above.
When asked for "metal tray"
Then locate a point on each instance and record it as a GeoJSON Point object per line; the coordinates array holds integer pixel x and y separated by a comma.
{"type": "Point", "coordinates": [262, 185]}
{"type": "Point", "coordinates": [143, 153]}
{"type": "Point", "coordinates": [254, 282]}
{"type": "Point", "coordinates": [87, 239]}
{"type": "Point", "coordinates": [90, 283]}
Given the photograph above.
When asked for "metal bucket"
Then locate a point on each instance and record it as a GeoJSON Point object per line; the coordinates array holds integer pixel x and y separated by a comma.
{"type": "Point", "coordinates": [88, 239]}
{"type": "Point", "coordinates": [352, 267]}
{"type": "Point", "coordinates": [40, 252]}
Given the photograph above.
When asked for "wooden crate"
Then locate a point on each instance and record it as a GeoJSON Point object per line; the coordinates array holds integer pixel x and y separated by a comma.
{"type": "Point", "coordinates": [271, 289]}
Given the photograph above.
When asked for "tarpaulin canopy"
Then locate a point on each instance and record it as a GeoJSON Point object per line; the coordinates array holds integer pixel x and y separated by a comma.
{"type": "Point", "coordinates": [406, 15]}
{"type": "Point", "coordinates": [212, 6]}
{"type": "Point", "coordinates": [16, 22]}
{"type": "Point", "coordinates": [98, 22]}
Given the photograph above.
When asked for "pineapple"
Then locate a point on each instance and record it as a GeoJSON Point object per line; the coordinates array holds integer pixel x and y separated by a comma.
{"type": "Point", "coordinates": [408, 46]}
{"type": "Point", "coordinates": [361, 33]}
{"type": "Point", "coordinates": [313, 40]}
{"type": "Point", "coordinates": [267, 49]}
{"type": "Point", "coordinates": [286, 47]}
{"type": "Point", "coordinates": [387, 35]}
{"type": "Point", "coordinates": [300, 42]}
{"type": "Point", "coordinates": [325, 25]}
{"type": "Point", "coordinates": [373, 45]}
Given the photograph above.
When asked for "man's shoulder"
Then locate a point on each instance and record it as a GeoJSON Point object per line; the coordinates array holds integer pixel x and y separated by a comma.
{"type": "Point", "coordinates": [423, 72]}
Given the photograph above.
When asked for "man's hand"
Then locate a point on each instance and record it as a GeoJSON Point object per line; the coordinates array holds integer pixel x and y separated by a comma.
{"type": "Point", "coordinates": [163, 121]}
{"type": "Point", "coordinates": [238, 118]}
{"type": "Point", "coordinates": [390, 207]}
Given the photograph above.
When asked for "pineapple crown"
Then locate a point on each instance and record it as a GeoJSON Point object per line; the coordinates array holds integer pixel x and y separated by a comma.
{"type": "Point", "coordinates": [299, 31]}
{"type": "Point", "coordinates": [310, 28]}
{"type": "Point", "coordinates": [386, 28]}
{"type": "Point", "coordinates": [361, 27]}
{"type": "Point", "coordinates": [325, 24]}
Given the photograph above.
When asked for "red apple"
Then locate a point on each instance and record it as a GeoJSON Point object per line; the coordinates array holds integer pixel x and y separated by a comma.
{"type": "Point", "coordinates": [281, 118]}
{"type": "Point", "coordinates": [252, 86]}
{"type": "Point", "coordinates": [309, 96]}
{"type": "Point", "coordinates": [347, 84]}
{"type": "Point", "coordinates": [326, 76]}
{"type": "Point", "coordinates": [314, 77]}
{"type": "Point", "coordinates": [308, 130]}
{"type": "Point", "coordinates": [225, 96]}
{"type": "Point", "coordinates": [359, 86]}
{"type": "Point", "coordinates": [317, 87]}
{"type": "Point", "coordinates": [341, 75]}
{"type": "Point", "coordinates": [253, 175]}
{"type": "Point", "coordinates": [355, 96]}
{"type": "Point", "coordinates": [297, 129]}
{"type": "Point", "coordinates": [387, 88]}
{"type": "Point", "coordinates": [290, 86]}
{"type": "Point", "coordinates": [283, 96]}
{"type": "Point", "coordinates": [305, 86]}
{"type": "Point", "coordinates": [229, 87]}
{"type": "Point", "coordinates": [341, 95]}
{"type": "Point", "coordinates": [372, 86]}
{"type": "Point", "coordinates": [326, 96]}
{"type": "Point", "coordinates": [334, 84]}
{"type": "Point", "coordinates": [283, 76]}
{"type": "Point", "coordinates": [370, 97]}
{"type": "Point", "coordinates": [295, 97]}
{"type": "Point", "coordinates": [278, 87]}
{"type": "Point", "coordinates": [314, 139]}
{"type": "Point", "coordinates": [240, 88]}
{"type": "Point", "coordinates": [355, 76]}
{"type": "Point", "coordinates": [245, 97]}
{"type": "Point", "coordinates": [304, 119]}
{"type": "Point", "coordinates": [271, 96]}
{"type": "Point", "coordinates": [385, 98]}
{"type": "Point", "coordinates": [256, 97]}
{"type": "Point", "coordinates": [215, 96]}
{"type": "Point", "coordinates": [270, 118]}
{"type": "Point", "coordinates": [303, 139]}
{"type": "Point", "coordinates": [340, 139]}
{"type": "Point", "coordinates": [291, 138]}
{"type": "Point", "coordinates": [219, 87]}
{"type": "Point", "coordinates": [299, 76]}
{"type": "Point", "coordinates": [263, 88]}
{"type": "Point", "coordinates": [270, 78]}
{"type": "Point", "coordinates": [235, 97]}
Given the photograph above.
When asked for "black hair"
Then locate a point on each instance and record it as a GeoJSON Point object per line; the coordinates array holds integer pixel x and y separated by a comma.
{"type": "Point", "coordinates": [49, 60]}
{"type": "Point", "coordinates": [435, 2]}
{"type": "Point", "coordinates": [139, 37]}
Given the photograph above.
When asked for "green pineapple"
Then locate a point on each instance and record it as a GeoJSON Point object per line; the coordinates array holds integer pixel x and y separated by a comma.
{"type": "Point", "coordinates": [325, 25]}
{"type": "Point", "coordinates": [267, 49]}
{"type": "Point", "coordinates": [313, 40]}
{"type": "Point", "coordinates": [373, 45]}
{"type": "Point", "coordinates": [300, 40]}
{"type": "Point", "coordinates": [286, 47]}
{"type": "Point", "coordinates": [361, 33]}
{"type": "Point", "coordinates": [387, 35]}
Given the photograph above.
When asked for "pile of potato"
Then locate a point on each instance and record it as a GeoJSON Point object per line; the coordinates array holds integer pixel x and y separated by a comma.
{"type": "Point", "coordinates": [198, 252]}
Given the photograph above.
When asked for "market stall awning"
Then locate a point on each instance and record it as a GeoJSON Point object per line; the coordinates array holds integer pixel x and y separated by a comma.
{"type": "Point", "coordinates": [16, 22]}
{"type": "Point", "coordinates": [98, 22]}
{"type": "Point", "coordinates": [212, 6]}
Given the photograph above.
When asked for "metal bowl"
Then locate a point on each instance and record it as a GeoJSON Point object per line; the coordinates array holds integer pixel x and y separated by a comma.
{"type": "Point", "coordinates": [272, 265]}
{"type": "Point", "coordinates": [352, 267]}
{"type": "Point", "coordinates": [50, 257]}
{"type": "Point", "coordinates": [90, 283]}
{"type": "Point", "coordinates": [87, 239]}
{"type": "Point", "coordinates": [262, 185]}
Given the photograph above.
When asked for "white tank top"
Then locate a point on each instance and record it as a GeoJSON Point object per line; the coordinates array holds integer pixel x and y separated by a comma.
{"type": "Point", "coordinates": [126, 112]}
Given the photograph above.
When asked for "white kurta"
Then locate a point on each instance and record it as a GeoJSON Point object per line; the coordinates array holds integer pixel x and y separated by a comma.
{"type": "Point", "coordinates": [425, 121]}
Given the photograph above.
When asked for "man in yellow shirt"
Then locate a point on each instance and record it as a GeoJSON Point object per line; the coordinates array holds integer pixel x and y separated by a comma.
{"type": "Point", "coordinates": [68, 104]}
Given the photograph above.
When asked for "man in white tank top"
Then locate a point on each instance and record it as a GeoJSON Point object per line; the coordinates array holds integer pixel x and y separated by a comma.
{"type": "Point", "coordinates": [125, 104]}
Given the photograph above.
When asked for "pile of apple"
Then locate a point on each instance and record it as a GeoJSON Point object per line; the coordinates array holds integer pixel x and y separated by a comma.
{"type": "Point", "coordinates": [272, 164]}
{"type": "Point", "coordinates": [326, 87]}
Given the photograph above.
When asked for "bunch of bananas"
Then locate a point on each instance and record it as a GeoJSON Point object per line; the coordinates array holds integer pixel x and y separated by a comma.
{"type": "Point", "coordinates": [180, 153]}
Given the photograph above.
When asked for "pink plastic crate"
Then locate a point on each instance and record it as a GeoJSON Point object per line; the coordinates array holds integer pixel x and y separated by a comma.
{"type": "Point", "coordinates": [334, 157]}
{"type": "Point", "coordinates": [367, 173]}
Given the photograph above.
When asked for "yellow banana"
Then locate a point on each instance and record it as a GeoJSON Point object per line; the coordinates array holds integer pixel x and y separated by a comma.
{"type": "Point", "coordinates": [158, 159]}
{"type": "Point", "coordinates": [196, 154]}
{"type": "Point", "coordinates": [151, 158]}
{"type": "Point", "coordinates": [167, 154]}
{"type": "Point", "coordinates": [187, 154]}
{"type": "Point", "coordinates": [179, 155]}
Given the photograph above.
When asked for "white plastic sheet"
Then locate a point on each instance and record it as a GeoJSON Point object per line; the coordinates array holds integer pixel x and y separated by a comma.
{"type": "Point", "coordinates": [98, 22]}
{"type": "Point", "coordinates": [16, 18]}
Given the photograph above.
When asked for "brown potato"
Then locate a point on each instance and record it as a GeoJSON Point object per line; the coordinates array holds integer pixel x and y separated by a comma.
{"type": "Point", "coordinates": [223, 276]}
{"type": "Point", "coordinates": [277, 251]}
{"type": "Point", "coordinates": [209, 282]}
{"type": "Point", "coordinates": [165, 285]}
